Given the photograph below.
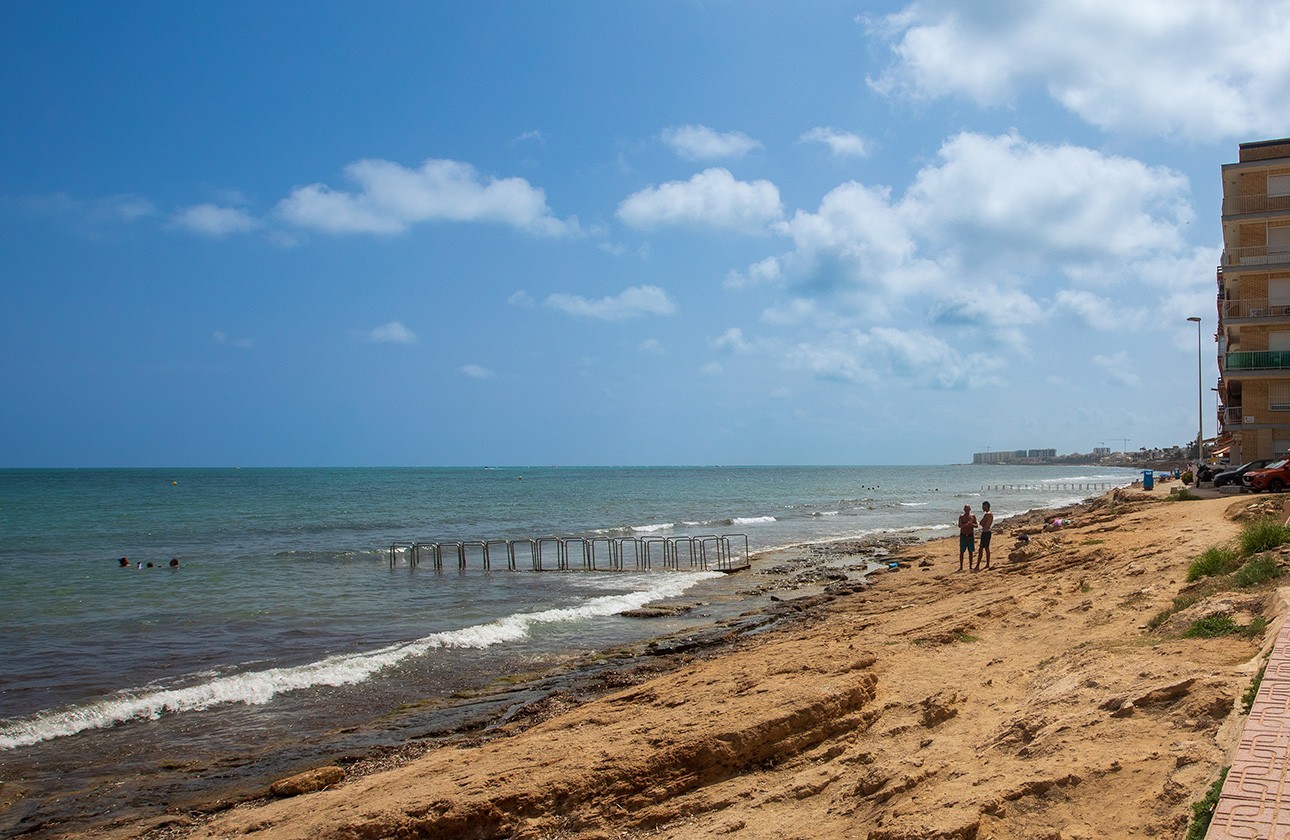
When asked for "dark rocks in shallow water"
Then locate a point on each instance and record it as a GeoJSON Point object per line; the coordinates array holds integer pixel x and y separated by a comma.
{"type": "Point", "coordinates": [657, 611]}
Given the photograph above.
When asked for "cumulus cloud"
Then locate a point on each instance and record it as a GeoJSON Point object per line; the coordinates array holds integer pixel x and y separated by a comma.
{"type": "Point", "coordinates": [1201, 69]}
{"type": "Point", "coordinates": [732, 340]}
{"type": "Point", "coordinates": [390, 198]}
{"type": "Point", "coordinates": [986, 205]}
{"type": "Point", "coordinates": [213, 220]}
{"type": "Point", "coordinates": [630, 303]}
{"type": "Point", "coordinates": [522, 299]}
{"type": "Point", "coordinates": [712, 198]}
{"type": "Point", "coordinates": [1099, 312]}
{"type": "Point", "coordinates": [476, 372]}
{"type": "Point", "coordinates": [698, 142]}
{"type": "Point", "coordinates": [995, 235]}
{"type": "Point", "coordinates": [841, 143]}
{"type": "Point", "coordinates": [392, 333]}
{"type": "Point", "coordinates": [831, 359]}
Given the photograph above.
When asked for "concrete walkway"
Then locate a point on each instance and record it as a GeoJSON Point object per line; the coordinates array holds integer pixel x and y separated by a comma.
{"type": "Point", "coordinates": [1256, 796]}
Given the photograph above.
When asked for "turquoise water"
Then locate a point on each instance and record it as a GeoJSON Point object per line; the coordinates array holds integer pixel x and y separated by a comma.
{"type": "Point", "coordinates": [285, 619]}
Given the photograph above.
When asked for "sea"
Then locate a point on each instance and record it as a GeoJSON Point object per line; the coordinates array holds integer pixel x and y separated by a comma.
{"type": "Point", "coordinates": [260, 623]}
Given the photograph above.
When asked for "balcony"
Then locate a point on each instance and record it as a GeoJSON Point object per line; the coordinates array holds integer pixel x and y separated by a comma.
{"type": "Point", "coordinates": [1258, 255]}
{"type": "Point", "coordinates": [1235, 205]}
{"type": "Point", "coordinates": [1254, 308]}
{"type": "Point", "coordinates": [1251, 360]}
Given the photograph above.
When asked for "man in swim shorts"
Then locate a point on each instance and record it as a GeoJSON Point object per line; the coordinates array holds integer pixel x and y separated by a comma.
{"type": "Point", "coordinates": [967, 533]}
{"type": "Point", "coordinates": [987, 520]}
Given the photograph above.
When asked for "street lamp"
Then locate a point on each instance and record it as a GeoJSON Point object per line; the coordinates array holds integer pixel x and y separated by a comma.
{"type": "Point", "coordinates": [1200, 410]}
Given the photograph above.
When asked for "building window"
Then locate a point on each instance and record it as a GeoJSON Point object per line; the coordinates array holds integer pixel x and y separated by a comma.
{"type": "Point", "coordinates": [1279, 396]}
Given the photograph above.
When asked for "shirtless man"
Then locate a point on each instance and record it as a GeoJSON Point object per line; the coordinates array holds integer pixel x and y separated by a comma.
{"type": "Point", "coordinates": [987, 520]}
{"type": "Point", "coordinates": [967, 533]}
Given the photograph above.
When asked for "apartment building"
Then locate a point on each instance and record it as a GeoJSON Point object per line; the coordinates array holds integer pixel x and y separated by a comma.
{"type": "Point", "coordinates": [1254, 303]}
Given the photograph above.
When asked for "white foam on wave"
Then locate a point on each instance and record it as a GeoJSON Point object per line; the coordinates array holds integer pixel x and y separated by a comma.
{"type": "Point", "coordinates": [259, 687]}
{"type": "Point", "coordinates": [752, 520]}
{"type": "Point", "coordinates": [649, 529]}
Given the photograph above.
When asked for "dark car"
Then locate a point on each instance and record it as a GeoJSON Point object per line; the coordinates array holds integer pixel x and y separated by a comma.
{"type": "Point", "coordinates": [1274, 477]}
{"type": "Point", "coordinates": [1235, 474]}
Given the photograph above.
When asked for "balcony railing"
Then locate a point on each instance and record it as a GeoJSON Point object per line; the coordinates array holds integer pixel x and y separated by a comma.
{"type": "Point", "coordinates": [1257, 203]}
{"type": "Point", "coordinates": [1257, 360]}
{"type": "Point", "coordinates": [1231, 415]}
{"type": "Point", "coordinates": [1256, 255]}
{"type": "Point", "coordinates": [1255, 308]}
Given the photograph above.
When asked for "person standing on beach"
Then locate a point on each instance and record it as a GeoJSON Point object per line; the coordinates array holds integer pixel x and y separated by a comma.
{"type": "Point", "coordinates": [967, 534]}
{"type": "Point", "coordinates": [987, 520]}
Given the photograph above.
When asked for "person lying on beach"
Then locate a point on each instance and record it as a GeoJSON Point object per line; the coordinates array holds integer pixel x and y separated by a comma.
{"type": "Point", "coordinates": [967, 536]}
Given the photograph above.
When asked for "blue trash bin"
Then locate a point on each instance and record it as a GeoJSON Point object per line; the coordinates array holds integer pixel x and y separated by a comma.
{"type": "Point", "coordinates": [1148, 479]}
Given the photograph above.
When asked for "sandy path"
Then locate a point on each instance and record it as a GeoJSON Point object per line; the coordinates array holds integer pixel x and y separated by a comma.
{"type": "Point", "coordinates": [1029, 701]}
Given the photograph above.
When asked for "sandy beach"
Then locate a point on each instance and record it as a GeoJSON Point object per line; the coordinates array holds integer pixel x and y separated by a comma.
{"type": "Point", "coordinates": [1035, 699]}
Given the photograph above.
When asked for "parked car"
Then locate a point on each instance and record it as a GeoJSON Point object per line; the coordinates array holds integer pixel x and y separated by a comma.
{"type": "Point", "coordinates": [1273, 477]}
{"type": "Point", "coordinates": [1235, 474]}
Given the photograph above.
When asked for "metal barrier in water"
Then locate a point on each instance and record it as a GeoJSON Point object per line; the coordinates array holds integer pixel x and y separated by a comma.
{"type": "Point", "coordinates": [1060, 487]}
{"type": "Point", "coordinates": [708, 552]}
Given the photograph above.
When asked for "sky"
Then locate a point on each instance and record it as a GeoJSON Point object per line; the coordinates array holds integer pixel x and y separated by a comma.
{"type": "Point", "coordinates": [616, 233]}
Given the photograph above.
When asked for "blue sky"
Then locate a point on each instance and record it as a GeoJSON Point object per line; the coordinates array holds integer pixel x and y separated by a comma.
{"type": "Point", "coordinates": [721, 232]}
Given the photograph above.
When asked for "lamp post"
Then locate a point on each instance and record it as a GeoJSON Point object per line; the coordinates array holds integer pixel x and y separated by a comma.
{"type": "Point", "coordinates": [1200, 409]}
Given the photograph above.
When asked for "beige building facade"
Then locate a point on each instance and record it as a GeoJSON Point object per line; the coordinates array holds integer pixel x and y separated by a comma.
{"type": "Point", "coordinates": [1254, 303]}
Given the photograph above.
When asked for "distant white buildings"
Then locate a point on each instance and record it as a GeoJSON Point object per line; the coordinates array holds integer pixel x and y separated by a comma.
{"type": "Point", "coordinates": [1016, 456]}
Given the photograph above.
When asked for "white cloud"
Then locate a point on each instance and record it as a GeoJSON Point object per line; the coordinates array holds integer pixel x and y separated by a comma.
{"type": "Point", "coordinates": [1117, 369]}
{"type": "Point", "coordinates": [121, 209]}
{"type": "Point", "coordinates": [712, 369]}
{"type": "Point", "coordinates": [222, 338]}
{"type": "Point", "coordinates": [213, 220]}
{"type": "Point", "coordinates": [987, 206]}
{"type": "Point", "coordinates": [1060, 200]}
{"type": "Point", "coordinates": [712, 198]}
{"type": "Point", "coordinates": [1099, 312]}
{"type": "Point", "coordinates": [1201, 69]}
{"type": "Point", "coordinates": [732, 339]}
{"type": "Point", "coordinates": [391, 198]}
{"type": "Point", "coordinates": [522, 299]}
{"type": "Point", "coordinates": [932, 361]}
{"type": "Point", "coordinates": [831, 361]}
{"type": "Point", "coordinates": [392, 333]}
{"type": "Point", "coordinates": [762, 271]}
{"type": "Point", "coordinates": [630, 303]}
{"type": "Point", "coordinates": [697, 142]}
{"type": "Point", "coordinates": [841, 143]}
{"type": "Point", "coordinates": [652, 346]}
{"type": "Point", "coordinates": [476, 372]}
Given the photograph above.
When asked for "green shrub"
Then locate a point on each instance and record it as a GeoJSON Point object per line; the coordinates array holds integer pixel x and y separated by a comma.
{"type": "Point", "coordinates": [1257, 570]}
{"type": "Point", "coordinates": [1255, 628]}
{"type": "Point", "coordinates": [1185, 477]}
{"type": "Point", "coordinates": [1212, 627]}
{"type": "Point", "coordinates": [1203, 811]}
{"type": "Point", "coordinates": [1215, 561]}
{"type": "Point", "coordinates": [1247, 699]}
{"type": "Point", "coordinates": [1263, 535]}
{"type": "Point", "coordinates": [1183, 495]}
